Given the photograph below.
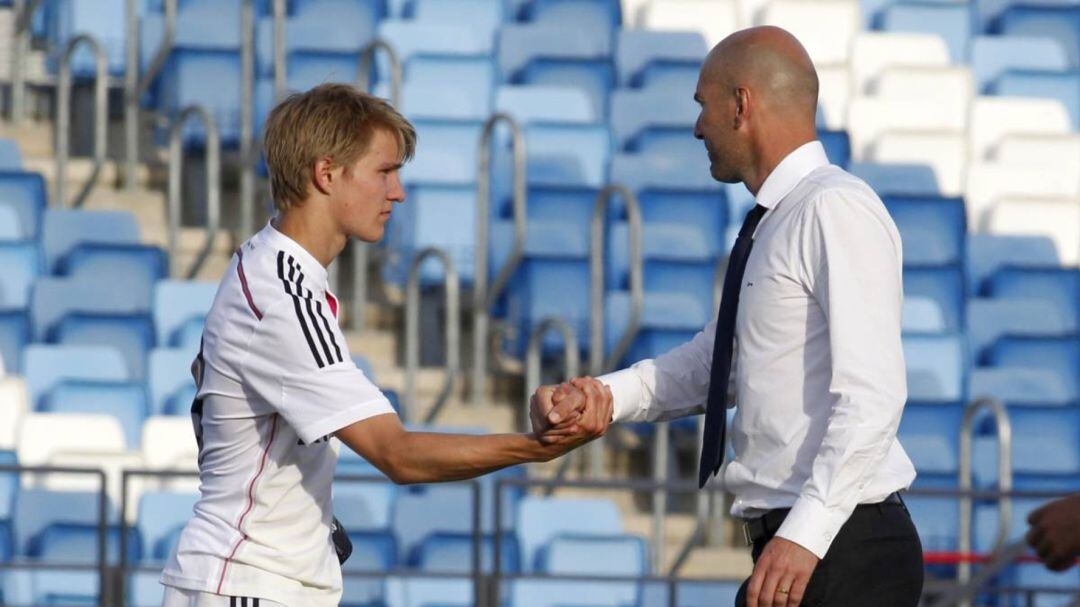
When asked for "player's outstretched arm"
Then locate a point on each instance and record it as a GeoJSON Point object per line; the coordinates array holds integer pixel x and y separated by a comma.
{"type": "Point", "coordinates": [423, 457]}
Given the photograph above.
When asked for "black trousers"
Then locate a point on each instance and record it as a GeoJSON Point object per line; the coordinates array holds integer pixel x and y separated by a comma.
{"type": "Point", "coordinates": [876, 560]}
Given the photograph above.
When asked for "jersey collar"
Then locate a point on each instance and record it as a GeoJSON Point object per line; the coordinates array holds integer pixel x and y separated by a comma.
{"type": "Point", "coordinates": [313, 270]}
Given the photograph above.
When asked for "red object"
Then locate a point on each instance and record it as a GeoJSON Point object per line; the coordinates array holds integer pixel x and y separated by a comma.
{"type": "Point", "coordinates": [330, 299]}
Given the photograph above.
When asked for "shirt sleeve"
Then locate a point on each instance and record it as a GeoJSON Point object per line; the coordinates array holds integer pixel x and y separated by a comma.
{"type": "Point", "coordinates": [673, 385]}
{"type": "Point", "coordinates": [299, 363]}
{"type": "Point", "coordinates": [853, 262]}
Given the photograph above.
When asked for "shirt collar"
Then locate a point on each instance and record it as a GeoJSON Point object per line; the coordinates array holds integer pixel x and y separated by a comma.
{"type": "Point", "coordinates": [314, 271]}
{"type": "Point", "coordinates": [791, 170]}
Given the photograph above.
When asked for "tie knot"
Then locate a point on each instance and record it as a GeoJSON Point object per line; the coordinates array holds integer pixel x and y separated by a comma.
{"type": "Point", "coordinates": [753, 217]}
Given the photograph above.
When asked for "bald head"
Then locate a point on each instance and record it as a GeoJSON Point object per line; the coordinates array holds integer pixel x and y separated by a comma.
{"type": "Point", "coordinates": [772, 64]}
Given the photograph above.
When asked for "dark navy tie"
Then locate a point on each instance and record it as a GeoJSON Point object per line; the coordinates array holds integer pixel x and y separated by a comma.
{"type": "Point", "coordinates": [712, 449]}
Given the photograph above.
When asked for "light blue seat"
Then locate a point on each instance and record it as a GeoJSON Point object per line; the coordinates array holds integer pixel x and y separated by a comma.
{"type": "Point", "coordinates": [936, 517]}
{"type": "Point", "coordinates": [1063, 87]}
{"type": "Point", "coordinates": [364, 505]}
{"type": "Point", "coordinates": [373, 551]}
{"type": "Point", "coordinates": [897, 179]}
{"type": "Point", "coordinates": [38, 509]}
{"type": "Point", "coordinates": [578, 593]}
{"type": "Point", "coordinates": [837, 146]}
{"type": "Point", "coordinates": [125, 401]}
{"type": "Point", "coordinates": [484, 16]}
{"type": "Point", "coordinates": [1061, 23]}
{"type": "Point", "coordinates": [690, 593]}
{"type": "Point", "coordinates": [25, 193]}
{"type": "Point", "coordinates": [598, 17]}
{"type": "Point", "coordinates": [52, 299]}
{"type": "Point", "coordinates": [952, 22]}
{"type": "Point", "coordinates": [14, 335]}
{"type": "Point", "coordinates": [448, 155]}
{"type": "Point", "coordinates": [442, 53]}
{"type": "Point", "coordinates": [989, 319]}
{"type": "Point", "coordinates": [540, 520]}
{"type": "Point", "coordinates": [10, 156]}
{"type": "Point", "coordinates": [175, 304]}
{"type": "Point", "coordinates": [22, 265]}
{"type": "Point", "coordinates": [169, 380]}
{"type": "Point", "coordinates": [140, 265]}
{"type": "Point", "coordinates": [160, 515]}
{"type": "Point", "coordinates": [1036, 431]}
{"type": "Point", "coordinates": [937, 367]}
{"type": "Point", "coordinates": [922, 315]}
{"type": "Point", "coordinates": [1061, 355]}
{"type": "Point", "coordinates": [144, 589]}
{"type": "Point", "coordinates": [992, 56]}
{"type": "Point", "coordinates": [945, 285]}
{"type": "Point", "coordinates": [435, 216]}
{"type": "Point", "coordinates": [933, 229]}
{"type": "Point", "coordinates": [46, 366]}
{"type": "Point", "coordinates": [1020, 386]}
{"type": "Point", "coordinates": [929, 433]}
{"type": "Point", "coordinates": [651, 113]}
{"type": "Point", "coordinates": [66, 229]}
{"type": "Point", "coordinates": [640, 55]}
{"type": "Point", "coordinates": [103, 19]}
{"type": "Point", "coordinates": [132, 335]}
{"type": "Point", "coordinates": [77, 543]}
{"type": "Point", "coordinates": [986, 253]}
{"type": "Point", "coordinates": [10, 230]}
{"type": "Point", "coordinates": [557, 55]}
{"type": "Point", "coordinates": [449, 552]}
{"type": "Point", "coordinates": [1060, 286]}
{"type": "Point", "coordinates": [426, 592]}
{"type": "Point", "coordinates": [616, 555]}
{"type": "Point", "coordinates": [9, 488]}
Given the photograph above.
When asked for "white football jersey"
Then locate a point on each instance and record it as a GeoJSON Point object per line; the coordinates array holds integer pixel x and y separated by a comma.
{"type": "Point", "coordinates": [275, 381]}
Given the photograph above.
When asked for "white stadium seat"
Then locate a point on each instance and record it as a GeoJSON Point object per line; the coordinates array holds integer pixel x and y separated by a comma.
{"type": "Point", "coordinates": [834, 91]}
{"type": "Point", "coordinates": [990, 182]}
{"type": "Point", "coordinates": [715, 19]}
{"type": "Point", "coordinates": [950, 87]}
{"type": "Point", "coordinates": [168, 443]}
{"type": "Point", "coordinates": [872, 52]}
{"type": "Point", "coordinates": [869, 117]}
{"type": "Point", "coordinates": [1057, 218]}
{"type": "Point", "coordinates": [825, 27]}
{"type": "Point", "coordinates": [992, 118]}
{"type": "Point", "coordinates": [1059, 151]}
{"type": "Point", "coordinates": [13, 407]}
{"type": "Point", "coordinates": [945, 153]}
{"type": "Point", "coordinates": [48, 437]}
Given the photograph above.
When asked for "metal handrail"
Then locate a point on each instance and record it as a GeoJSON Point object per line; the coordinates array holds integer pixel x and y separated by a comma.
{"type": "Point", "coordinates": [964, 477]}
{"type": "Point", "coordinates": [135, 86]}
{"type": "Point", "coordinates": [661, 446]}
{"type": "Point", "coordinates": [280, 67]}
{"type": "Point", "coordinates": [213, 184]}
{"type": "Point", "coordinates": [367, 57]}
{"type": "Point", "coordinates": [597, 363]}
{"type": "Point", "coordinates": [102, 519]}
{"type": "Point", "coordinates": [63, 117]}
{"type": "Point", "coordinates": [483, 296]}
{"type": "Point", "coordinates": [571, 367]}
{"type": "Point", "coordinates": [24, 11]}
{"type": "Point", "coordinates": [412, 332]}
{"type": "Point", "coordinates": [247, 118]}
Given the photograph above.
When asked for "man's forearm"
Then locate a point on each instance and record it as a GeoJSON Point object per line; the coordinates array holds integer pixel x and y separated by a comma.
{"type": "Point", "coordinates": [425, 457]}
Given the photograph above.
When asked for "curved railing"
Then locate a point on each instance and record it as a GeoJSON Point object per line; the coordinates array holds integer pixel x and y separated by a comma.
{"type": "Point", "coordinates": [484, 296]}
{"type": "Point", "coordinates": [247, 119]}
{"type": "Point", "coordinates": [571, 363]}
{"type": "Point", "coordinates": [597, 363]}
{"type": "Point", "coordinates": [412, 332]}
{"type": "Point", "coordinates": [213, 184]}
{"type": "Point", "coordinates": [136, 84]}
{"type": "Point", "coordinates": [63, 117]}
{"type": "Point", "coordinates": [23, 10]}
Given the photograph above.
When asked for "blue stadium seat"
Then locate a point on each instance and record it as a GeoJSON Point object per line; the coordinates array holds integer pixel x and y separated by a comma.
{"type": "Point", "coordinates": [897, 179]}
{"type": "Point", "coordinates": [25, 193]}
{"type": "Point", "coordinates": [1061, 355]}
{"type": "Point", "coordinates": [364, 505]}
{"type": "Point", "coordinates": [952, 22]}
{"type": "Point", "coordinates": [10, 156]}
{"type": "Point", "coordinates": [52, 299]}
{"type": "Point", "coordinates": [1061, 23]}
{"type": "Point", "coordinates": [616, 555]}
{"type": "Point", "coordinates": [9, 487]}
{"type": "Point", "coordinates": [945, 285]}
{"type": "Point", "coordinates": [1064, 87]}
{"type": "Point", "coordinates": [140, 265]}
{"type": "Point", "coordinates": [986, 253]}
{"type": "Point", "coordinates": [144, 589]}
{"type": "Point", "coordinates": [1020, 386]}
{"type": "Point", "coordinates": [992, 56]}
{"type": "Point", "coordinates": [77, 543]}
{"type": "Point", "coordinates": [161, 514]}
{"type": "Point", "coordinates": [22, 265]}
{"type": "Point", "coordinates": [169, 381]}
{"type": "Point", "coordinates": [936, 517]}
{"type": "Point", "coordinates": [837, 146]}
{"type": "Point", "coordinates": [550, 55]}
{"type": "Point", "coordinates": [1060, 286]}
{"type": "Point", "coordinates": [132, 335]}
{"type": "Point", "coordinates": [102, 19]}
{"type": "Point", "coordinates": [690, 593]}
{"type": "Point", "coordinates": [596, 17]}
{"type": "Point", "coordinates": [448, 552]}
{"type": "Point", "coordinates": [540, 520]}
{"type": "Point", "coordinates": [435, 216]}
{"type": "Point", "coordinates": [427, 592]}
{"type": "Point", "coordinates": [638, 115]}
{"type": "Point", "coordinates": [46, 366]}
{"type": "Point", "coordinates": [554, 592]}
{"type": "Point", "coordinates": [123, 400]}
{"type": "Point", "coordinates": [933, 230]}
{"type": "Point", "coordinates": [38, 509]}
{"type": "Point", "coordinates": [448, 155]}
{"type": "Point", "coordinates": [937, 367]}
{"type": "Point", "coordinates": [373, 550]}
{"type": "Point", "coordinates": [178, 304]}
{"type": "Point", "coordinates": [439, 53]}
{"type": "Point", "coordinates": [643, 55]}
{"type": "Point", "coordinates": [66, 229]}
{"type": "Point", "coordinates": [922, 315]}
{"type": "Point", "coordinates": [484, 16]}
{"type": "Point", "coordinates": [989, 319]}
{"type": "Point", "coordinates": [929, 433]}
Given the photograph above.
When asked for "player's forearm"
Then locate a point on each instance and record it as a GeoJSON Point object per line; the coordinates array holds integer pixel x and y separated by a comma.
{"type": "Point", "coordinates": [425, 457]}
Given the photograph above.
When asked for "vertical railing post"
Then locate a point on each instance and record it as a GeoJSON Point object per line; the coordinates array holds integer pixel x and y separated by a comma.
{"type": "Point", "coordinates": [63, 117]}
{"type": "Point", "coordinates": [280, 67]}
{"type": "Point", "coordinates": [23, 11]}
{"type": "Point", "coordinates": [213, 185]}
{"type": "Point", "coordinates": [412, 333]}
{"type": "Point", "coordinates": [247, 119]}
{"type": "Point", "coordinates": [484, 297]}
{"type": "Point", "coordinates": [137, 83]}
{"type": "Point", "coordinates": [661, 448]}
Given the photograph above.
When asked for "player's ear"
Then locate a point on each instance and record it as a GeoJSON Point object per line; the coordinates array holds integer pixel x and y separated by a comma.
{"type": "Point", "coordinates": [323, 176]}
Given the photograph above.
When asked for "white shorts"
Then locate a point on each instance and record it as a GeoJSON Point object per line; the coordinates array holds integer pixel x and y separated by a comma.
{"type": "Point", "coordinates": [179, 597]}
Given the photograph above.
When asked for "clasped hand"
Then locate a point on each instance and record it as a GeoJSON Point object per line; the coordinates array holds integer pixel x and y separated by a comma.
{"type": "Point", "coordinates": [571, 414]}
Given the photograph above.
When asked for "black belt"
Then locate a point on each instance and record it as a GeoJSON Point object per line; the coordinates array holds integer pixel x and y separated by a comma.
{"type": "Point", "coordinates": [766, 525]}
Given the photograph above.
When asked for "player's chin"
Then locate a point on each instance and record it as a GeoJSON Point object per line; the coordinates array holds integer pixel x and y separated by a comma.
{"type": "Point", "coordinates": [372, 233]}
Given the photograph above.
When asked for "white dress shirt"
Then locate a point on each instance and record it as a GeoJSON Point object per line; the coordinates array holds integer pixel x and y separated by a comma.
{"type": "Point", "coordinates": [819, 373]}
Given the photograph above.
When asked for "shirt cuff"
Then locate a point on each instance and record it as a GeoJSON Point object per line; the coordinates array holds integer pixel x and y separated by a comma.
{"type": "Point", "coordinates": [813, 526]}
{"type": "Point", "coordinates": [626, 392]}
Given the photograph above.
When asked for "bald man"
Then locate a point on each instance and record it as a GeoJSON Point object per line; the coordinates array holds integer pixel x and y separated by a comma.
{"type": "Point", "coordinates": [812, 297]}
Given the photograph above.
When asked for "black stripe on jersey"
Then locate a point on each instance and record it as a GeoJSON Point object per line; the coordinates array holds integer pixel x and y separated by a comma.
{"type": "Point", "coordinates": [232, 601]}
{"type": "Point", "coordinates": [308, 296]}
{"type": "Point", "coordinates": [296, 306]}
{"type": "Point", "coordinates": [333, 340]}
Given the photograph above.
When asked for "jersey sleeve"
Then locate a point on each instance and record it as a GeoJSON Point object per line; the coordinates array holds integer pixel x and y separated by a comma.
{"type": "Point", "coordinates": [299, 363]}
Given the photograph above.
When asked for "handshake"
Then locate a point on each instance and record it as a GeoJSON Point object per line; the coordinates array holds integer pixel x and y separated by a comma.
{"type": "Point", "coordinates": [568, 415]}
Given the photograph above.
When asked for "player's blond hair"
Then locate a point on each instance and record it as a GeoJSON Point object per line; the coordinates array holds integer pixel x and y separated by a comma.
{"type": "Point", "coordinates": [334, 120]}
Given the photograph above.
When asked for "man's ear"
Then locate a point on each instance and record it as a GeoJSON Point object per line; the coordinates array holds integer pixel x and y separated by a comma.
{"type": "Point", "coordinates": [742, 106]}
{"type": "Point", "coordinates": [323, 176]}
